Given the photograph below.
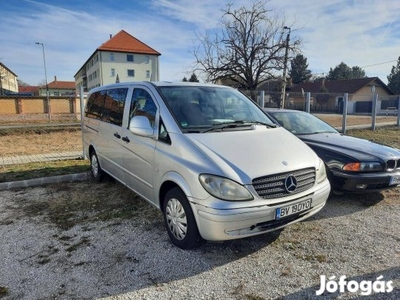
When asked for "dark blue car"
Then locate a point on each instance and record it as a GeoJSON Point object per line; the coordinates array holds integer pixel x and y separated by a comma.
{"type": "Point", "coordinates": [353, 165]}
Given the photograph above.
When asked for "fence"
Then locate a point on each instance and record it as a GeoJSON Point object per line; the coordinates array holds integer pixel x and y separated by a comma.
{"type": "Point", "coordinates": [39, 109]}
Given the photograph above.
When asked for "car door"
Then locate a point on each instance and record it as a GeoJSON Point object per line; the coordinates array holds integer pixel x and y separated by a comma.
{"type": "Point", "coordinates": [139, 151]}
{"type": "Point", "coordinates": [111, 131]}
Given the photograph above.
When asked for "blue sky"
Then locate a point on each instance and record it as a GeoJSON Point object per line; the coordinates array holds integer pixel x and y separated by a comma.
{"type": "Point", "coordinates": [364, 33]}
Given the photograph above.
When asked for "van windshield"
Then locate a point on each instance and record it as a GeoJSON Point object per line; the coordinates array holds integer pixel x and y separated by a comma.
{"type": "Point", "coordinates": [204, 108]}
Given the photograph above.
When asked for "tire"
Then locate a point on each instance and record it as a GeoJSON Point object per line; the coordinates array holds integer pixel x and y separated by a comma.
{"type": "Point", "coordinates": [179, 220]}
{"type": "Point", "coordinates": [97, 172]}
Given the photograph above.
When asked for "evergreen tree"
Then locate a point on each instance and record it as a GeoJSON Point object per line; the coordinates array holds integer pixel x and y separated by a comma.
{"type": "Point", "coordinates": [394, 78]}
{"type": "Point", "coordinates": [343, 71]}
{"type": "Point", "coordinates": [299, 71]}
{"type": "Point", "coordinates": [193, 78]}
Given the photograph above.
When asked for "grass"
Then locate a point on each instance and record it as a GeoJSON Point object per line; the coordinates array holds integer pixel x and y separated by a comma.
{"type": "Point", "coordinates": [389, 136]}
{"type": "Point", "coordinates": [42, 169]}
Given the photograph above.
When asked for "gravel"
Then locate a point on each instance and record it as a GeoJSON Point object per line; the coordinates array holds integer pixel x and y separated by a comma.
{"type": "Point", "coordinates": [356, 236]}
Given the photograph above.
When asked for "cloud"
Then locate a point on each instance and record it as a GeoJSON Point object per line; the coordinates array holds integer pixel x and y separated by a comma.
{"type": "Point", "coordinates": [358, 33]}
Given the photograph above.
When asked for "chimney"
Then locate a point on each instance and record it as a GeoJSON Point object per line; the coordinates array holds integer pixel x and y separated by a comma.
{"type": "Point", "coordinates": [110, 36]}
{"type": "Point", "coordinates": [55, 79]}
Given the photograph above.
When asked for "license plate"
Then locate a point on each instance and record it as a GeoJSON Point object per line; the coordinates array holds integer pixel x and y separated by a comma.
{"type": "Point", "coordinates": [395, 180]}
{"type": "Point", "coordinates": [284, 211]}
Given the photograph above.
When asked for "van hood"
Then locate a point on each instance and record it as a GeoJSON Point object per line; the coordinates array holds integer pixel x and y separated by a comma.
{"type": "Point", "coordinates": [244, 155]}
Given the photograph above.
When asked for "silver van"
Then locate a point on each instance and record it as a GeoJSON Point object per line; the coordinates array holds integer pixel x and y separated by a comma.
{"type": "Point", "coordinates": [206, 155]}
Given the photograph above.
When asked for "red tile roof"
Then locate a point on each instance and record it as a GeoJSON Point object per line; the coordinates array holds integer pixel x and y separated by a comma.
{"type": "Point", "coordinates": [28, 89]}
{"type": "Point", "coordinates": [62, 85]}
{"type": "Point", "coordinates": [124, 42]}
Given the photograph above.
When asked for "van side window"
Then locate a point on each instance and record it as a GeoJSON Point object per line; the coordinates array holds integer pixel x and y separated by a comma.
{"type": "Point", "coordinates": [114, 103]}
{"type": "Point", "coordinates": [94, 107]}
{"type": "Point", "coordinates": [143, 105]}
{"type": "Point", "coordinates": [163, 133]}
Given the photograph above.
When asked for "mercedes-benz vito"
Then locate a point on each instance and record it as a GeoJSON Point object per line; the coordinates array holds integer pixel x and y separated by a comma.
{"type": "Point", "coordinates": [206, 155]}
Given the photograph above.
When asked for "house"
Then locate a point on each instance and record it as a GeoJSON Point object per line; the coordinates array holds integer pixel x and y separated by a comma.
{"type": "Point", "coordinates": [28, 90]}
{"type": "Point", "coordinates": [328, 95]}
{"type": "Point", "coordinates": [58, 88]}
{"type": "Point", "coordinates": [8, 81]}
{"type": "Point", "coordinates": [122, 58]}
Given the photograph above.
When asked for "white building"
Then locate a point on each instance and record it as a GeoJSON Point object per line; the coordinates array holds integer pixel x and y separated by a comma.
{"type": "Point", "coordinates": [120, 59]}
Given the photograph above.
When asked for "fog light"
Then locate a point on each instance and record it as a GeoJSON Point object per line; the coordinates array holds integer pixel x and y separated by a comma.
{"type": "Point", "coordinates": [361, 186]}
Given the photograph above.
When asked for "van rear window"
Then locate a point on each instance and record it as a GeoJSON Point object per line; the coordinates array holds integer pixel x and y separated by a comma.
{"type": "Point", "coordinates": [107, 105]}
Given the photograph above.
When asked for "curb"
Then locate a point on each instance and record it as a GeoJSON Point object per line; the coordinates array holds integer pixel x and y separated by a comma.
{"type": "Point", "coordinates": [45, 180]}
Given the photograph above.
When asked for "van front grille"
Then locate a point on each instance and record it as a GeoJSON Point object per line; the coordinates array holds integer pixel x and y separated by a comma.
{"type": "Point", "coordinates": [283, 184]}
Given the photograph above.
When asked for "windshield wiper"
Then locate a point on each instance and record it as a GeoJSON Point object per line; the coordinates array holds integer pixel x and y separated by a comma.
{"type": "Point", "coordinates": [315, 132]}
{"type": "Point", "coordinates": [270, 125]}
{"type": "Point", "coordinates": [222, 126]}
{"type": "Point", "coordinates": [235, 124]}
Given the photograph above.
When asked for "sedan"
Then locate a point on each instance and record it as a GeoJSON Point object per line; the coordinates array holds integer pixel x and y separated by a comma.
{"type": "Point", "coordinates": [353, 165]}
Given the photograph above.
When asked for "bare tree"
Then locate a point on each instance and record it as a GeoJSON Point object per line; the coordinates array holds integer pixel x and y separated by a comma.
{"type": "Point", "coordinates": [247, 50]}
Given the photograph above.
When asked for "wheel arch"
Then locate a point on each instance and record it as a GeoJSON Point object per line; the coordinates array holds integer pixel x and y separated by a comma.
{"type": "Point", "coordinates": [169, 181]}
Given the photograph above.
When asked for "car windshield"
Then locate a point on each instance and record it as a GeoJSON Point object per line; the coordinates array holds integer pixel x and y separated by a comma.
{"type": "Point", "coordinates": [299, 122]}
{"type": "Point", "coordinates": [208, 108]}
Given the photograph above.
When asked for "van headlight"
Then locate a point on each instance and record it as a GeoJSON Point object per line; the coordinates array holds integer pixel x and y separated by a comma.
{"type": "Point", "coordinates": [321, 172]}
{"type": "Point", "coordinates": [224, 188]}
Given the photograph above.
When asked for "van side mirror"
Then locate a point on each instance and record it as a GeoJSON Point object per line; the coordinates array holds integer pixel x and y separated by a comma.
{"type": "Point", "coordinates": [140, 125]}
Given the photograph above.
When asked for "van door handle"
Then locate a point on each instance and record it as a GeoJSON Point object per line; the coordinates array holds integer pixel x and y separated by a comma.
{"type": "Point", "coordinates": [117, 135]}
{"type": "Point", "coordinates": [126, 139]}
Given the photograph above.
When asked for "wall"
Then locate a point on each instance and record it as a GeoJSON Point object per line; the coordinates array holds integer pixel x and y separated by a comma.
{"type": "Point", "coordinates": [38, 105]}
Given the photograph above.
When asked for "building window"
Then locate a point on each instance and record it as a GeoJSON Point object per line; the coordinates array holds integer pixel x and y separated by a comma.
{"type": "Point", "coordinates": [129, 57]}
{"type": "Point", "coordinates": [147, 73]}
{"type": "Point", "coordinates": [146, 59]}
{"type": "Point", "coordinates": [111, 56]}
{"type": "Point", "coordinates": [56, 93]}
{"type": "Point", "coordinates": [112, 72]}
{"type": "Point", "coordinates": [131, 73]}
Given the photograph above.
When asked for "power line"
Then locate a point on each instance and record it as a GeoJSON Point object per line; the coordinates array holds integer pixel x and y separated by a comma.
{"type": "Point", "coordinates": [378, 64]}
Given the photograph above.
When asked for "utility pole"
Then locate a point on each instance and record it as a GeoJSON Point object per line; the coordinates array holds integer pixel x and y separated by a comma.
{"type": "Point", "coordinates": [47, 85]}
{"type": "Point", "coordinates": [283, 93]}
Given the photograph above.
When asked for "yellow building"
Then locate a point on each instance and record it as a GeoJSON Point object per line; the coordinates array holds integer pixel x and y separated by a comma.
{"type": "Point", "coordinates": [8, 81]}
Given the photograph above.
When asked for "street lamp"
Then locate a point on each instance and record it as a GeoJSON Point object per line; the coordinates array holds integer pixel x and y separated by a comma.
{"type": "Point", "coordinates": [45, 77]}
{"type": "Point", "coordinates": [283, 94]}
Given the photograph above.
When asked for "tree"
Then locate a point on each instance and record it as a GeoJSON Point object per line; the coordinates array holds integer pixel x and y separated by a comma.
{"type": "Point", "coordinates": [299, 71]}
{"type": "Point", "coordinates": [322, 97]}
{"type": "Point", "coordinates": [343, 71]}
{"type": "Point", "coordinates": [247, 50]}
{"type": "Point", "coordinates": [394, 78]}
{"type": "Point", "coordinates": [184, 79]}
{"type": "Point", "coordinates": [193, 78]}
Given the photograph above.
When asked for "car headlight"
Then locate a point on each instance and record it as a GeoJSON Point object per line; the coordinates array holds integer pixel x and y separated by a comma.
{"type": "Point", "coordinates": [363, 167]}
{"type": "Point", "coordinates": [224, 188]}
{"type": "Point", "coordinates": [321, 171]}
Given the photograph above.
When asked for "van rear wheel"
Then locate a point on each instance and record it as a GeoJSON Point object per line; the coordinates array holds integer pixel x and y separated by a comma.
{"type": "Point", "coordinates": [97, 172]}
{"type": "Point", "coordinates": [179, 220]}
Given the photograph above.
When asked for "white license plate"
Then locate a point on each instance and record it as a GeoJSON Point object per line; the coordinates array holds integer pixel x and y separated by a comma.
{"type": "Point", "coordinates": [284, 211]}
{"type": "Point", "coordinates": [395, 180]}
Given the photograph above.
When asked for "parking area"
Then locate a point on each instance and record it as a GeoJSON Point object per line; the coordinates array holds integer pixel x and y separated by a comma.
{"type": "Point", "coordinates": [71, 240]}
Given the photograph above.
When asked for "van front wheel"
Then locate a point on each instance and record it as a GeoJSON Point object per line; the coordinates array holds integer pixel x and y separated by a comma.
{"type": "Point", "coordinates": [179, 220]}
{"type": "Point", "coordinates": [97, 172]}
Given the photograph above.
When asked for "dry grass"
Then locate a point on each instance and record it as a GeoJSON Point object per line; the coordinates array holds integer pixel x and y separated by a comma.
{"type": "Point", "coordinates": [336, 120]}
{"type": "Point", "coordinates": [38, 141]}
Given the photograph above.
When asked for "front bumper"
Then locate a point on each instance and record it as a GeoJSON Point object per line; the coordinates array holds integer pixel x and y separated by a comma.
{"type": "Point", "coordinates": [229, 224]}
{"type": "Point", "coordinates": [364, 182]}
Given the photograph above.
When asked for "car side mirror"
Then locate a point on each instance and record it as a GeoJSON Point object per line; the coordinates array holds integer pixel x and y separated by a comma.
{"type": "Point", "coordinates": [140, 125]}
